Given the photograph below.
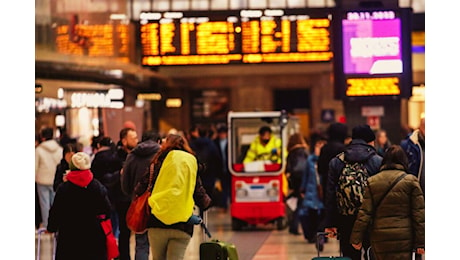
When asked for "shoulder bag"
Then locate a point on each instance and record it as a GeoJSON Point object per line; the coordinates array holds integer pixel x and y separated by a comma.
{"type": "Point", "coordinates": [139, 209]}
{"type": "Point", "coordinates": [111, 241]}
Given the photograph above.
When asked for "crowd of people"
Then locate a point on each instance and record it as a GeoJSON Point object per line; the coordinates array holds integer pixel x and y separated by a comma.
{"type": "Point", "coordinates": [361, 189]}
{"type": "Point", "coordinates": [335, 177]}
{"type": "Point", "coordinates": [75, 190]}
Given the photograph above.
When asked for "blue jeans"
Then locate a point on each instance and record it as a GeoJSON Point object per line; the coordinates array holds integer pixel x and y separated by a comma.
{"type": "Point", "coordinates": [46, 198]}
{"type": "Point", "coordinates": [142, 247]}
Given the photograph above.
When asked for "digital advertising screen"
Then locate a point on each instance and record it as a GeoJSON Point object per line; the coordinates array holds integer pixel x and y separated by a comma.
{"type": "Point", "coordinates": [235, 37]}
{"type": "Point", "coordinates": [373, 53]}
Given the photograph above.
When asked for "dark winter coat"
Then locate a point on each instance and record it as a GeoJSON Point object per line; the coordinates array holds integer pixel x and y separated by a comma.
{"type": "Point", "coordinates": [414, 146]}
{"type": "Point", "coordinates": [357, 151]}
{"type": "Point", "coordinates": [328, 151]}
{"type": "Point", "coordinates": [137, 165]}
{"type": "Point", "coordinates": [399, 222]}
{"type": "Point", "coordinates": [106, 167]}
{"type": "Point", "coordinates": [296, 166]}
{"type": "Point", "coordinates": [61, 169]}
{"type": "Point", "coordinates": [207, 154]}
{"type": "Point", "coordinates": [74, 216]}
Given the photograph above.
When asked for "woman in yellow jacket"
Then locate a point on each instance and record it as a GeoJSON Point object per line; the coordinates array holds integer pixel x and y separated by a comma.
{"type": "Point", "coordinates": [177, 188]}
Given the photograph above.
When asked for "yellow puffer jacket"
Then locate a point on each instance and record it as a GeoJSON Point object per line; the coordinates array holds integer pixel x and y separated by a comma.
{"type": "Point", "coordinates": [259, 152]}
{"type": "Point", "coordinates": [172, 195]}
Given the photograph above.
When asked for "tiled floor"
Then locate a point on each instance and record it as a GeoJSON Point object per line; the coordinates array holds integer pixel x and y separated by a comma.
{"type": "Point", "coordinates": [260, 243]}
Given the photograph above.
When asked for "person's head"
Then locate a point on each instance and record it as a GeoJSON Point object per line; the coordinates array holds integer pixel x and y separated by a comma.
{"type": "Point", "coordinates": [69, 149]}
{"type": "Point", "coordinates": [381, 137]}
{"type": "Point", "coordinates": [395, 155]}
{"type": "Point", "coordinates": [80, 161]}
{"type": "Point", "coordinates": [151, 135]}
{"type": "Point", "coordinates": [47, 133]}
{"type": "Point", "coordinates": [194, 132]}
{"type": "Point", "coordinates": [363, 132]}
{"type": "Point", "coordinates": [174, 141]}
{"type": "Point", "coordinates": [265, 133]}
{"type": "Point", "coordinates": [128, 138]}
{"type": "Point", "coordinates": [222, 132]}
{"type": "Point", "coordinates": [337, 132]}
{"type": "Point", "coordinates": [105, 142]}
{"type": "Point", "coordinates": [422, 126]}
{"type": "Point", "coordinates": [296, 140]}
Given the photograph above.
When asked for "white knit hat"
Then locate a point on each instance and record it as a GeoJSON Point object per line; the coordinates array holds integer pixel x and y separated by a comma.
{"type": "Point", "coordinates": [80, 161]}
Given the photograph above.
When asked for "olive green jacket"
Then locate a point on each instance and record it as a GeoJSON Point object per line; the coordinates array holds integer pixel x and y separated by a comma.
{"type": "Point", "coordinates": [398, 226]}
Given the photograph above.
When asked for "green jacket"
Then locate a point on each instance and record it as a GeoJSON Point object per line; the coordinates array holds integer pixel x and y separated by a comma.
{"type": "Point", "coordinates": [399, 222]}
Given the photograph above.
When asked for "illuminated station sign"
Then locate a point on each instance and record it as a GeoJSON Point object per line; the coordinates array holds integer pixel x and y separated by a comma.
{"type": "Point", "coordinates": [373, 56]}
{"type": "Point", "coordinates": [235, 37]}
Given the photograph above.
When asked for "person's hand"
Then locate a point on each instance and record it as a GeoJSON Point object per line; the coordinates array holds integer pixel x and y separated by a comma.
{"type": "Point", "coordinates": [357, 246]}
{"type": "Point", "coordinates": [421, 251]}
{"type": "Point", "coordinates": [64, 178]}
{"type": "Point", "coordinates": [331, 232]}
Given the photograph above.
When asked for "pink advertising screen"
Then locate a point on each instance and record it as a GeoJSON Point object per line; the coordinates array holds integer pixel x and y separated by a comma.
{"type": "Point", "coordinates": [372, 43]}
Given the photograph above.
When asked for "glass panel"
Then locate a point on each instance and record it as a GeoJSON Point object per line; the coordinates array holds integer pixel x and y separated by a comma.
{"type": "Point", "coordinates": [296, 3]}
{"type": "Point", "coordinates": [219, 4]}
{"type": "Point", "coordinates": [277, 4]}
{"type": "Point", "coordinates": [254, 4]}
{"type": "Point", "coordinates": [238, 4]}
{"type": "Point", "coordinates": [180, 5]}
{"type": "Point", "coordinates": [330, 3]}
{"type": "Point", "coordinates": [161, 5]}
{"type": "Point", "coordinates": [256, 145]}
{"type": "Point", "coordinates": [316, 3]}
{"type": "Point", "coordinates": [404, 3]}
{"type": "Point", "coordinates": [418, 6]}
{"type": "Point", "coordinates": [140, 6]}
{"type": "Point", "coordinates": [200, 4]}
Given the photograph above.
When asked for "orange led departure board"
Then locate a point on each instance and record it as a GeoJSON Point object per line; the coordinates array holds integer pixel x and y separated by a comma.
{"type": "Point", "coordinates": [105, 40]}
{"type": "Point", "coordinates": [232, 37]}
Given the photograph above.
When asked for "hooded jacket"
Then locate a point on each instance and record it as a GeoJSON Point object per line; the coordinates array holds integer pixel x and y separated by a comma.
{"type": "Point", "coordinates": [74, 214]}
{"type": "Point", "coordinates": [357, 151]}
{"type": "Point", "coordinates": [137, 165]}
{"type": "Point", "coordinates": [399, 221]}
{"type": "Point", "coordinates": [48, 155]}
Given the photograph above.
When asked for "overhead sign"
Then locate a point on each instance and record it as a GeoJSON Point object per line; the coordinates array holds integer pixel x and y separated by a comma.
{"type": "Point", "coordinates": [328, 115]}
{"type": "Point", "coordinates": [372, 111]}
{"type": "Point", "coordinates": [225, 37]}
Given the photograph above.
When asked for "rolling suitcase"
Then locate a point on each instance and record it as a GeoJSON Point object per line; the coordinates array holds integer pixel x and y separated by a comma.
{"type": "Point", "coordinates": [318, 236]}
{"type": "Point", "coordinates": [40, 232]}
{"type": "Point", "coordinates": [215, 249]}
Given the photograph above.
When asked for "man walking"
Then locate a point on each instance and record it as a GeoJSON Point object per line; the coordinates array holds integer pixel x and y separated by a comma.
{"type": "Point", "coordinates": [135, 167]}
{"type": "Point", "coordinates": [344, 195]}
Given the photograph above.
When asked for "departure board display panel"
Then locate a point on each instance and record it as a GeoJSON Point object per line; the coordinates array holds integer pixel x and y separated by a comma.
{"type": "Point", "coordinates": [103, 40]}
{"type": "Point", "coordinates": [235, 37]}
{"type": "Point", "coordinates": [373, 56]}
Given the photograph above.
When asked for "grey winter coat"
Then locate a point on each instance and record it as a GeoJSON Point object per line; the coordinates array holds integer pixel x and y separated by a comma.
{"type": "Point", "coordinates": [399, 223]}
